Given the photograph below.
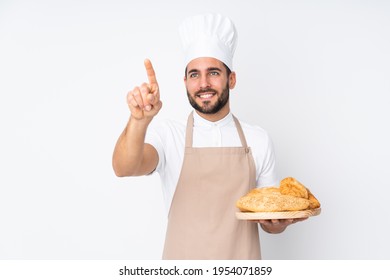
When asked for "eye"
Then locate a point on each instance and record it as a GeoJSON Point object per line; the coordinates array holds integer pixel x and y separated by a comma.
{"type": "Point", "coordinates": [214, 73]}
{"type": "Point", "coordinates": [193, 75]}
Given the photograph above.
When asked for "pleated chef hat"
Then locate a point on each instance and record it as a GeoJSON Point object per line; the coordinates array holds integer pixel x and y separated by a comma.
{"type": "Point", "coordinates": [210, 35]}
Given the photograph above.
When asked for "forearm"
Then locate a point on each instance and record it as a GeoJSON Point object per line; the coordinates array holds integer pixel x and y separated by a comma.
{"type": "Point", "coordinates": [129, 149]}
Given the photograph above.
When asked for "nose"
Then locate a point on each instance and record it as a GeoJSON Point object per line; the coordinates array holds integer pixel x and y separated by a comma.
{"type": "Point", "coordinates": [204, 82]}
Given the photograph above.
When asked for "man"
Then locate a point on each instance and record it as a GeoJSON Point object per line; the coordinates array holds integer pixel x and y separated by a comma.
{"type": "Point", "coordinates": [207, 164]}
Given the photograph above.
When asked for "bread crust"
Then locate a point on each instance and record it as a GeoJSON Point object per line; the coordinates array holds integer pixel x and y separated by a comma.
{"type": "Point", "coordinates": [291, 186]}
{"type": "Point", "coordinates": [314, 203]}
{"type": "Point", "coordinates": [271, 202]}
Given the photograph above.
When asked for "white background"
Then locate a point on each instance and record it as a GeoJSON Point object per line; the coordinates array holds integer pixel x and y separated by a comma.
{"type": "Point", "coordinates": [314, 74]}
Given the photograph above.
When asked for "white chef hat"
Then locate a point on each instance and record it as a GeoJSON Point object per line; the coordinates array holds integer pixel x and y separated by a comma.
{"type": "Point", "coordinates": [210, 35]}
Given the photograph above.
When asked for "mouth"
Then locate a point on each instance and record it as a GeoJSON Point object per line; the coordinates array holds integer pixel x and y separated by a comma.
{"type": "Point", "coordinates": [205, 95]}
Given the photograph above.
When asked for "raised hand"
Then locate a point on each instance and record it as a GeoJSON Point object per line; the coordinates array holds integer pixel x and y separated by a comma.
{"type": "Point", "coordinates": [144, 101]}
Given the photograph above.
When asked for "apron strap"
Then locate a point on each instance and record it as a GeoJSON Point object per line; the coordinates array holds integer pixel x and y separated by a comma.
{"type": "Point", "coordinates": [190, 126]}
{"type": "Point", "coordinates": [240, 132]}
{"type": "Point", "coordinates": [189, 129]}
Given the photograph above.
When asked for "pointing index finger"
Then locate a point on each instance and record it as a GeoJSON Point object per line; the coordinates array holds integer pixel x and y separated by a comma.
{"type": "Point", "coordinates": [150, 72]}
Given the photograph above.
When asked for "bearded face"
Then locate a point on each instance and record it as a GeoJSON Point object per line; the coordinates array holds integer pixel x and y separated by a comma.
{"type": "Point", "coordinates": [209, 101]}
{"type": "Point", "coordinates": [208, 82]}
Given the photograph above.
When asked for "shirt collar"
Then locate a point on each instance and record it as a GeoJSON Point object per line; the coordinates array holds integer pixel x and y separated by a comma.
{"type": "Point", "coordinates": [199, 121]}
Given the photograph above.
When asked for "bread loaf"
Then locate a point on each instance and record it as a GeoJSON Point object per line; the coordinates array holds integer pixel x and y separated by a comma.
{"type": "Point", "coordinates": [291, 195]}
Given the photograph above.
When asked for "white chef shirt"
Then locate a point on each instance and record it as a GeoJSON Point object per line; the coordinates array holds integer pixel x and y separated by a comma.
{"type": "Point", "coordinates": [168, 138]}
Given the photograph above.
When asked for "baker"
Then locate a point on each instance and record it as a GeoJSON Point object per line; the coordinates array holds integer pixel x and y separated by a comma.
{"type": "Point", "coordinates": [207, 162]}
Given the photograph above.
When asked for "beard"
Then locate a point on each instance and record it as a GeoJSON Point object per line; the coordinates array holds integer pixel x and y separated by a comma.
{"type": "Point", "coordinates": [207, 107]}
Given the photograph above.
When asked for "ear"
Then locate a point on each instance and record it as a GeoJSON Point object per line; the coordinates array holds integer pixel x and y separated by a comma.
{"type": "Point", "coordinates": [232, 80]}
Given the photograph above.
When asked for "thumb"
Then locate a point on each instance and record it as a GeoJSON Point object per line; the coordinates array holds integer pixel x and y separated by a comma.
{"type": "Point", "coordinates": [152, 98]}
